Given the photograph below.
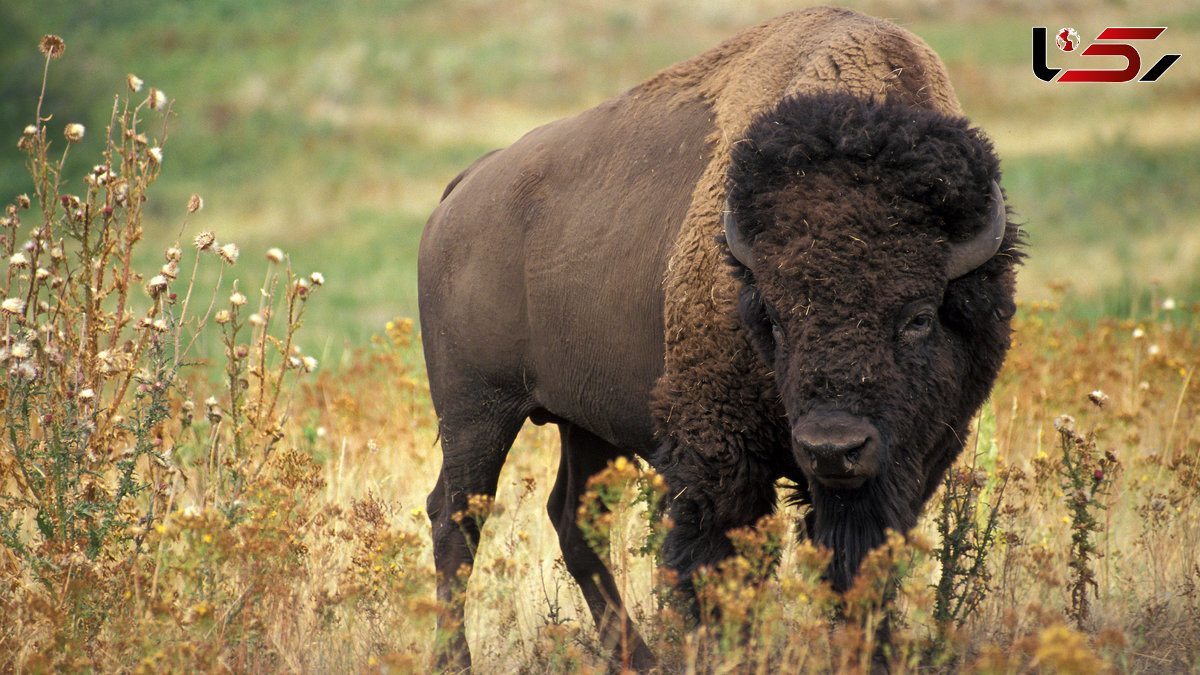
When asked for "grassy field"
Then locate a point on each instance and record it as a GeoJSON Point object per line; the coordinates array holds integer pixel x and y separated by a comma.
{"type": "Point", "coordinates": [279, 525]}
{"type": "Point", "coordinates": [331, 132]}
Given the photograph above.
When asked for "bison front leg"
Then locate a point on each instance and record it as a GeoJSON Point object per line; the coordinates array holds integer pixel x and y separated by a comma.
{"type": "Point", "coordinates": [709, 496]}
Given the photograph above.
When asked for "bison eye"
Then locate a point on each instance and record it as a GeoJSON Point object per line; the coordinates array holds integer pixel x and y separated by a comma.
{"type": "Point", "coordinates": [776, 333]}
{"type": "Point", "coordinates": [919, 325]}
{"type": "Point", "coordinates": [918, 320]}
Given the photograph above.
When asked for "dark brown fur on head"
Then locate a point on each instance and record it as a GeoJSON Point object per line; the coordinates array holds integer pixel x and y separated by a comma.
{"type": "Point", "coordinates": [850, 208]}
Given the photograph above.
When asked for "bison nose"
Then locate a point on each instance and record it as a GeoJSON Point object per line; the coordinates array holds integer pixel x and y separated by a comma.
{"type": "Point", "coordinates": [840, 450]}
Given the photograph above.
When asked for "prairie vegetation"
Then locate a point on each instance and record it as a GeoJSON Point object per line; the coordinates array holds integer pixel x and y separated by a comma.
{"type": "Point", "coordinates": [197, 471]}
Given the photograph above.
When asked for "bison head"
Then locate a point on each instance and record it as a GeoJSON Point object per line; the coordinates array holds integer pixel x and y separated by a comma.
{"type": "Point", "coordinates": [877, 271]}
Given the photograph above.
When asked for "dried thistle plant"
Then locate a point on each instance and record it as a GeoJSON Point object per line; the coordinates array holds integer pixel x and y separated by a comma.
{"type": "Point", "coordinates": [117, 503]}
{"type": "Point", "coordinates": [1085, 476]}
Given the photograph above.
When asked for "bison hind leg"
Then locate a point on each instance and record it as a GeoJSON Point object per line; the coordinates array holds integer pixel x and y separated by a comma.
{"type": "Point", "coordinates": [475, 443]}
{"type": "Point", "coordinates": [584, 455]}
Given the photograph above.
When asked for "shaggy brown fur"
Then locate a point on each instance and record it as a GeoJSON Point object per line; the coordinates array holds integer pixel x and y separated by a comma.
{"type": "Point", "coordinates": [814, 180]}
{"type": "Point", "coordinates": [577, 278]}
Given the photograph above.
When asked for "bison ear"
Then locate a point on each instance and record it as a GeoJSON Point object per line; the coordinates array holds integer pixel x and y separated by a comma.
{"type": "Point", "coordinates": [733, 236]}
{"type": "Point", "coordinates": [969, 255]}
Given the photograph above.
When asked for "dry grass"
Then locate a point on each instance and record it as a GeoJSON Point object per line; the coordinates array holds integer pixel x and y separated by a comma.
{"type": "Point", "coordinates": [1143, 607]}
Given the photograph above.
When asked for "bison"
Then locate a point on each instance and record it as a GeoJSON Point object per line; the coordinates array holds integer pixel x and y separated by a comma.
{"type": "Point", "coordinates": [786, 258]}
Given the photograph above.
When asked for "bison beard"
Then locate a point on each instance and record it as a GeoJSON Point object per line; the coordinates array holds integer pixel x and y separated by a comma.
{"type": "Point", "coordinates": [851, 524]}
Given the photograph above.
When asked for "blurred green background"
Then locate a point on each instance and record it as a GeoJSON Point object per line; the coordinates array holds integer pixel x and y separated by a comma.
{"type": "Point", "coordinates": [330, 129]}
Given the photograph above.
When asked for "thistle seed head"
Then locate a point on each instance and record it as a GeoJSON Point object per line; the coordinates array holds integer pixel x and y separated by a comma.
{"type": "Point", "coordinates": [14, 306]}
{"type": "Point", "coordinates": [228, 253]}
{"type": "Point", "coordinates": [205, 240]}
{"type": "Point", "coordinates": [52, 46]}
{"type": "Point", "coordinates": [157, 285]}
{"type": "Point", "coordinates": [157, 99]}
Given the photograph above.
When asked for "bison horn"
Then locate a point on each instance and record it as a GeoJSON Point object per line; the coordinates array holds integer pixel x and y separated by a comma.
{"type": "Point", "coordinates": [969, 255]}
{"type": "Point", "coordinates": [733, 237]}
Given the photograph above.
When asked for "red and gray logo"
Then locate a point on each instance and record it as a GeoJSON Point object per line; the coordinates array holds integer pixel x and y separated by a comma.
{"type": "Point", "coordinates": [1112, 41]}
{"type": "Point", "coordinates": [1067, 39]}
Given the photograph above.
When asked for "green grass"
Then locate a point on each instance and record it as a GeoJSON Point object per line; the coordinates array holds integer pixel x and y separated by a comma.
{"type": "Point", "coordinates": [1005, 42]}
{"type": "Point", "coordinates": [1137, 235]}
{"type": "Point", "coordinates": [330, 130]}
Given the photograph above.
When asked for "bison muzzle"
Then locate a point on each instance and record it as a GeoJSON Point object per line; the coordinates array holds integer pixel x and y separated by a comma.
{"type": "Point", "coordinates": [786, 258]}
